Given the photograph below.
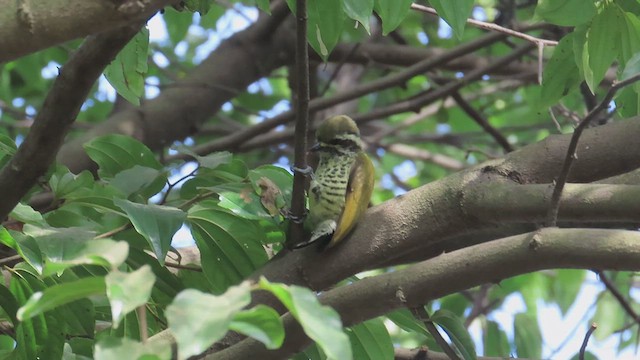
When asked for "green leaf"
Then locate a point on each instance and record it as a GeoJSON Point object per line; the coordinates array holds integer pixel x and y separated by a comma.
{"type": "Point", "coordinates": [7, 346]}
{"type": "Point", "coordinates": [141, 179]}
{"type": "Point", "coordinates": [321, 323]}
{"type": "Point", "coordinates": [261, 323]}
{"type": "Point", "coordinates": [110, 348]}
{"type": "Point", "coordinates": [527, 336]}
{"type": "Point", "coordinates": [561, 73]}
{"type": "Point", "coordinates": [155, 223]}
{"type": "Point", "coordinates": [566, 12]}
{"type": "Point", "coordinates": [197, 320]}
{"type": "Point", "coordinates": [628, 102]}
{"type": "Point", "coordinates": [454, 327]}
{"type": "Point", "coordinates": [495, 340]}
{"type": "Point", "coordinates": [26, 214]}
{"type": "Point", "coordinates": [360, 11]}
{"type": "Point", "coordinates": [407, 322]}
{"type": "Point", "coordinates": [566, 285]}
{"type": "Point", "coordinates": [587, 356]}
{"type": "Point", "coordinates": [264, 6]}
{"type": "Point", "coordinates": [609, 316]}
{"type": "Point", "coordinates": [371, 340]}
{"type": "Point", "coordinates": [629, 37]}
{"type": "Point", "coordinates": [177, 24]}
{"type": "Point", "coordinates": [392, 13]}
{"type": "Point", "coordinates": [65, 247]}
{"type": "Point", "coordinates": [454, 12]}
{"type": "Point", "coordinates": [127, 72]}
{"type": "Point", "coordinates": [243, 202]}
{"type": "Point", "coordinates": [324, 25]}
{"type": "Point", "coordinates": [280, 177]}
{"type": "Point", "coordinates": [60, 294]}
{"type": "Point", "coordinates": [127, 291]}
{"type": "Point", "coordinates": [455, 303]}
{"type": "Point", "coordinates": [67, 183]}
{"type": "Point", "coordinates": [601, 50]}
{"type": "Point", "coordinates": [8, 304]}
{"type": "Point", "coordinates": [201, 6]}
{"type": "Point", "coordinates": [214, 160]}
{"type": "Point", "coordinates": [114, 153]}
{"type": "Point", "coordinates": [230, 246]}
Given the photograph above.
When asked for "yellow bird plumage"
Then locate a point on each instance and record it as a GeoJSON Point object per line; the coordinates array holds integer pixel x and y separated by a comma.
{"type": "Point", "coordinates": [342, 183]}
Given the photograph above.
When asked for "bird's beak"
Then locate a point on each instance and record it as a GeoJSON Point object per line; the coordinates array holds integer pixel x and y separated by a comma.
{"type": "Point", "coordinates": [315, 148]}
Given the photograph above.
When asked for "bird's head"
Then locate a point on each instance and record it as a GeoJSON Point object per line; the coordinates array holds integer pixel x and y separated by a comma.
{"type": "Point", "coordinates": [338, 133]}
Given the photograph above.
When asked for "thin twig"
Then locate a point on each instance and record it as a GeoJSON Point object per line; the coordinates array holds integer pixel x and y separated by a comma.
{"type": "Point", "coordinates": [421, 313]}
{"type": "Point", "coordinates": [552, 215]}
{"type": "Point", "coordinates": [297, 211]}
{"type": "Point", "coordinates": [583, 348]}
{"type": "Point", "coordinates": [10, 259]}
{"type": "Point", "coordinates": [114, 231]}
{"type": "Point", "coordinates": [183, 267]}
{"type": "Point", "coordinates": [619, 297]}
{"type": "Point", "coordinates": [482, 122]}
{"type": "Point", "coordinates": [491, 26]}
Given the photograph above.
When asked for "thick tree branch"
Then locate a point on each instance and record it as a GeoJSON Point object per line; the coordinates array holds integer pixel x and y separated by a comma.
{"type": "Point", "coordinates": [28, 26]}
{"type": "Point", "coordinates": [59, 111]}
{"type": "Point", "coordinates": [452, 272]}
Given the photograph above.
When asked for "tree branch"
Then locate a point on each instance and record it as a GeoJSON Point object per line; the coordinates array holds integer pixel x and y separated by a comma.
{"type": "Point", "coordinates": [573, 145]}
{"type": "Point", "coordinates": [297, 212]}
{"type": "Point", "coordinates": [452, 272]}
{"type": "Point", "coordinates": [58, 112]}
{"type": "Point", "coordinates": [29, 26]}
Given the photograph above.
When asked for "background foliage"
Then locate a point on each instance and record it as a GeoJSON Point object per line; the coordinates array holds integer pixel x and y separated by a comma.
{"type": "Point", "coordinates": [194, 145]}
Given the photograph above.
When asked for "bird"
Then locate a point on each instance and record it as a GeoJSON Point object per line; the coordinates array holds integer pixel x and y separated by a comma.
{"type": "Point", "coordinates": [341, 184]}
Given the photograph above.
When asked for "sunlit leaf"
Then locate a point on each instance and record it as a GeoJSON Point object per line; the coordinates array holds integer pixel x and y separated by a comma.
{"type": "Point", "coordinates": [110, 348]}
{"type": "Point", "coordinates": [261, 323]}
{"type": "Point", "coordinates": [60, 294]}
{"type": "Point", "coordinates": [197, 319]}
{"type": "Point", "coordinates": [127, 291]}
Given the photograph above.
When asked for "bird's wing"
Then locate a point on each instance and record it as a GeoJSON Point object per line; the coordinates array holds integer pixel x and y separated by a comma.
{"type": "Point", "coordinates": [359, 189]}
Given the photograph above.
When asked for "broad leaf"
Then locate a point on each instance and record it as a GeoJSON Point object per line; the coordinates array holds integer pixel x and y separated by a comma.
{"type": "Point", "coordinates": [392, 13]}
{"type": "Point", "coordinates": [155, 222]}
{"type": "Point", "coordinates": [360, 11]}
{"type": "Point", "coordinates": [60, 294]}
{"type": "Point", "coordinates": [566, 12]}
{"type": "Point", "coordinates": [454, 327]}
{"type": "Point", "coordinates": [110, 348]}
{"type": "Point", "coordinates": [127, 72]}
{"type": "Point", "coordinates": [601, 50]}
{"type": "Point", "coordinates": [454, 12]}
{"type": "Point", "coordinates": [527, 336]}
{"type": "Point", "coordinates": [51, 250]}
{"type": "Point", "coordinates": [261, 323]}
{"type": "Point", "coordinates": [371, 340]}
{"type": "Point", "coordinates": [127, 291]}
{"type": "Point", "coordinates": [197, 319]}
{"type": "Point", "coordinates": [115, 153]}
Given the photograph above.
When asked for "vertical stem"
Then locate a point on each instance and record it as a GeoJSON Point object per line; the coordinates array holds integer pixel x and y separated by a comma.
{"type": "Point", "coordinates": [302, 120]}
